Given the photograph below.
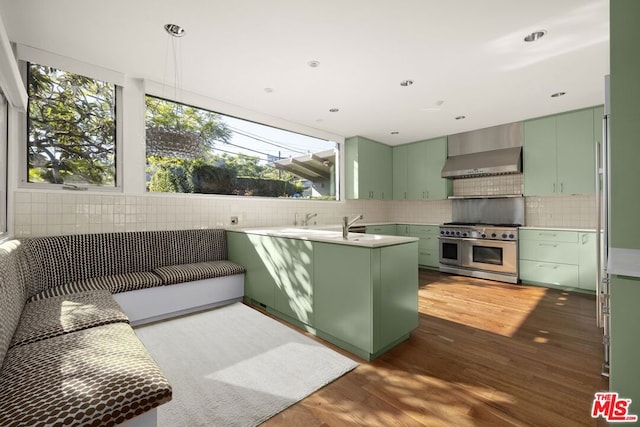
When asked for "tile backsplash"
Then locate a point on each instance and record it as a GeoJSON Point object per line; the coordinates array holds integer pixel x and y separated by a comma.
{"type": "Point", "coordinates": [488, 185]}
{"type": "Point", "coordinates": [40, 213]}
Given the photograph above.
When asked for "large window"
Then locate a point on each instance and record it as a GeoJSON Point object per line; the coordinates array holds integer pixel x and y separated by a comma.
{"type": "Point", "coordinates": [192, 150]}
{"type": "Point", "coordinates": [71, 128]}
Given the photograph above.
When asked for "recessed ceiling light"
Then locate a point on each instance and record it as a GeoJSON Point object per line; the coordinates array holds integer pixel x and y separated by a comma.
{"type": "Point", "coordinates": [558, 94]}
{"type": "Point", "coordinates": [406, 83]}
{"type": "Point", "coordinates": [536, 35]}
{"type": "Point", "coordinates": [268, 89]}
{"type": "Point", "coordinates": [395, 132]}
{"type": "Point", "coordinates": [461, 117]}
{"type": "Point", "coordinates": [174, 30]}
{"type": "Point", "coordinates": [333, 110]}
{"type": "Point", "coordinates": [314, 64]}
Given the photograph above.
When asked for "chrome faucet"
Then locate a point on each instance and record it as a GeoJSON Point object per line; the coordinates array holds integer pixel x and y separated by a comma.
{"type": "Point", "coordinates": [346, 224]}
{"type": "Point", "coordinates": [307, 217]}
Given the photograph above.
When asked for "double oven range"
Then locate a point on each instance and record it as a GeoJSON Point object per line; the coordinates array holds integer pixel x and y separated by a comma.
{"type": "Point", "coordinates": [483, 241]}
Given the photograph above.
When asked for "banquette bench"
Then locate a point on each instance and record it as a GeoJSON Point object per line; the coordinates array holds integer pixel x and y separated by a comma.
{"type": "Point", "coordinates": [68, 353]}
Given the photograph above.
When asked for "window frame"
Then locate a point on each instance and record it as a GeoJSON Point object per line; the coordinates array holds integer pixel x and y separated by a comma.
{"type": "Point", "coordinates": [4, 166]}
{"type": "Point", "coordinates": [23, 123]}
{"type": "Point", "coordinates": [339, 144]}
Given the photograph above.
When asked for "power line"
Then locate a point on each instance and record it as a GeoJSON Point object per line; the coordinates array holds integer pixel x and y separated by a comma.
{"type": "Point", "coordinates": [264, 140]}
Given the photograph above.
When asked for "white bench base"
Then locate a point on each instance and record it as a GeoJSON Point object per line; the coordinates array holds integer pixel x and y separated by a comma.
{"type": "Point", "coordinates": [161, 302]}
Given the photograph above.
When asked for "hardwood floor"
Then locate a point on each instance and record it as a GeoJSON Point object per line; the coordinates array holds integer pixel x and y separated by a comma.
{"type": "Point", "coordinates": [484, 354]}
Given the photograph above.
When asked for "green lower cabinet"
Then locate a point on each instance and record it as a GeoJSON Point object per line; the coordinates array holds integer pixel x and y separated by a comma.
{"type": "Point", "coordinates": [386, 229]}
{"type": "Point", "coordinates": [278, 274]}
{"type": "Point", "coordinates": [366, 300]}
{"type": "Point", "coordinates": [428, 245]}
{"type": "Point", "coordinates": [558, 258]}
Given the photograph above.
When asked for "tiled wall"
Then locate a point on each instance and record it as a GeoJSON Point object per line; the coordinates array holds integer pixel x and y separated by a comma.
{"type": "Point", "coordinates": [561, 211]}
{"type": "Point", "coordinates": [39, 213]}
{"type": "Point", "coordinates": [489, 185]}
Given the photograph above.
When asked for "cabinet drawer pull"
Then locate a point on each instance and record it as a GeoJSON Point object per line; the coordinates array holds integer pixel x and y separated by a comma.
{"type": "Point", "coordinates": [553, 267]}
{"type": "Point", "coordinates": [548, 234]}
{"type": "Point", "coordinates": [551, 245]}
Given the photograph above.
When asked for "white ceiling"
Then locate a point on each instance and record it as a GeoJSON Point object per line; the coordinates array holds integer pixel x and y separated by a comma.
{"type": "Point", "coordinates": [468, 53]}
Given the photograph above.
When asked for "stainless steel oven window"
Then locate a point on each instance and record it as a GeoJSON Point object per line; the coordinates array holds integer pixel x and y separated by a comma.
{"type": "Point", "coordinates": [450, 251]}
{"type": "Point", "coordinates": [488, 255]}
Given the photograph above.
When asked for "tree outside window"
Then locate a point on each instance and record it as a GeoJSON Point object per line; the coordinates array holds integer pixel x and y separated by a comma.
{"type": "Point", "coordinates": [71, 128]}
{"type": "Point", "coordinates": [192, 150]}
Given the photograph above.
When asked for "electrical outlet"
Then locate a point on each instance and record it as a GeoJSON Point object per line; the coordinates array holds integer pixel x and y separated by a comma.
{"type": "Point", "coordinates": [234, 220]}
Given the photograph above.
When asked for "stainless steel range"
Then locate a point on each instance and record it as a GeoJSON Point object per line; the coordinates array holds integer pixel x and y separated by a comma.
{"type": "Point", "coordinates": [483, 240]}
{"type": "Point", "coordinates": [488, 251]}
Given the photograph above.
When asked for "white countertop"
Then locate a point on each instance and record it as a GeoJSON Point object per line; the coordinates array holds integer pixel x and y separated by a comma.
{"type": "Point", "coordinates": [582, 230]}
{"type": "Point", "coordinates": [326, 235]}
{"type": "Point", "coordinates": [624, 262]}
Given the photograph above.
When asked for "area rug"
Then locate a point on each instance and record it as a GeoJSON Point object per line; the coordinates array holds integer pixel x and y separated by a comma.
{"type": "Point", "coordinates": [234, 366]}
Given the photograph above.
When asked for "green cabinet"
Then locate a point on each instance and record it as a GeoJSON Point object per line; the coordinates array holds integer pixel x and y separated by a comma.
{"type": "Point", "coordinates": [278, 272]}
{"type": "Point", "coordinates": [368, 169]}
{"type": "Point", "coordinates": [559, 154]}
{"type": "Point", "coordinates": [385, 229]}
{"type": "Point", "coordinates": [417, 168]}
{"type": "Point", "coordinates": [400, 154]}
{"type": "Point", "coordinates": [558, 258]}
{"type": "Point", "coordinates": [366, 299]}
{"type": "Point", "coordinates": [428, 245]}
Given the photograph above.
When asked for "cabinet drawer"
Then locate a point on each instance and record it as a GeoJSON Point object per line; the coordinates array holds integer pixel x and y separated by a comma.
{"type": "Point", "coordinates": [428, 243]}
{"type": "Point", "coordinates": [550, 235]}
{"type": "Point", "coordinates": [428, 257]}
{"type": "Point", "coordinates": [423, 230]}
{"type": "Point", "coordinates": [389, 230]}
{"type": "Point", "coordinates": [549, 273]}
{"type": "Point", "coordinates": [556, 252]}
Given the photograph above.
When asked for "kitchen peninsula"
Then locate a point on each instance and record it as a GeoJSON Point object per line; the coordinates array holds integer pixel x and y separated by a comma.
{"type": "Point", "coordinates": [359, 293]}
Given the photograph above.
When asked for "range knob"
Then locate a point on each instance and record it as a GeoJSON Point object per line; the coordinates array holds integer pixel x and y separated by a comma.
{"type": "Point", "coordinates": [464, 234]}
{"type": "Point", "coordinates": [447, 233]}
{"type": "Point", "coordinates": [457, 233]}
{"type": "Point", "coordinates": [493, 235]}
{"type": "Point", "coordinates": [504, 235]}
{"type": "Point", "coordinates": [511, 236]}
{"type": "Point", "coordinates": [483, 235]}
{"type": "Point", "coordinates": [442, 232]}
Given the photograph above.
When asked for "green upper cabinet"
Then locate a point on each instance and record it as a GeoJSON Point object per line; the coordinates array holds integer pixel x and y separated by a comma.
{"type": "Point", "coordinates": [418, 167]}
{"type": "Point", "coordinates": [400, 154]}
{"type": "Point", "coordinates": [559, 154]}
{"type": "Point", "coordinates": [368, 169]}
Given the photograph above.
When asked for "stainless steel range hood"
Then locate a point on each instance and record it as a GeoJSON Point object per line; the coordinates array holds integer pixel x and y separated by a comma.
{"type": "Point", "coordinates": [491, 151]}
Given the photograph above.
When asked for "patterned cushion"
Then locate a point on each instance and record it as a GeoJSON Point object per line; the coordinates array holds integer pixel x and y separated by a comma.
{"type": "Point", "coordinates": [202, 270]}
{"type": "Point", "coordinates": [191, 246]}
{"type": "Point", "coordinates": [100, 376]}
{"type": "Point", "coordinates": [57, 260]}
{"type": "Point", "coordinates": [64, 314]}
{"type": "Point", "coordinates": [12, 293]}
{"type": "Point", "coordinates": [114, 284]}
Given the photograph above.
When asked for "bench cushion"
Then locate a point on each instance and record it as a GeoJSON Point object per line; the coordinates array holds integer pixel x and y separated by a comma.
{"type": "Point", "coordinates": [114, 284]}
{"type": "Point", "coordinates": [60, 315]}
{"type": "Point", "coordinates": [12, 293]}
{"type": "Point", "coordinates": [172, 274]}
{"type": "Point", "coordinates": [100, 376]}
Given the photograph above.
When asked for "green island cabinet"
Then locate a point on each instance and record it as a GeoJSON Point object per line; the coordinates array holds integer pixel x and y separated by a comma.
{"type": "Point", "coordinates": [368, 169]}
{"type": "Point", "coordinates": [559, 153]}
{"type": "Point", "coordinates": [362, 299]}
{"type": "Point", "coordinates": [366, 299]}
{"type": "Point", "coordinates": [558, 258]}
{"type": "Point", "coordinates": [417, 171]}
{"type": "Point", "coordinates": [265, 259]}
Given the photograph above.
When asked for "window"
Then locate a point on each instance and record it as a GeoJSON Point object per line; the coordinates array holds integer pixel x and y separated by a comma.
{"type": "Point", "coordinates": [192, 150]}
{"type": "Point", "coordinates": [3, 164]}
{"type": "Point", "coordinates": [71, 128]}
